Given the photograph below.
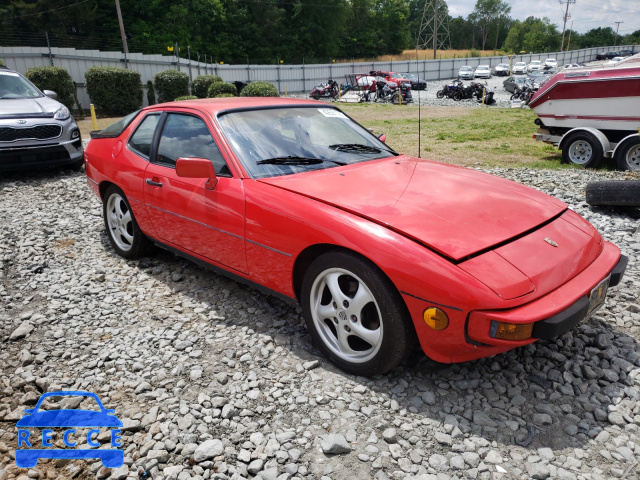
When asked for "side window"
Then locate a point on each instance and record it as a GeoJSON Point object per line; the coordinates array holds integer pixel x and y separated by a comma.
{"type": "Point", "coordinates": [188, 136]}
{"type": "Point", "coordinates": [140, 141]}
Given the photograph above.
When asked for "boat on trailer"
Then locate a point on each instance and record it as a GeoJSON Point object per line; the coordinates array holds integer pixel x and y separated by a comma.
{"type": "Point", "coordinates": [592, 113]}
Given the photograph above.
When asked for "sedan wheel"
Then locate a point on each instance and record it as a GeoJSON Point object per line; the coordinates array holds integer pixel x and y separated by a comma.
{"type": "Point", "coordinates": [355, 314]}
{"type": "Point", "coordinates": [124, 234]}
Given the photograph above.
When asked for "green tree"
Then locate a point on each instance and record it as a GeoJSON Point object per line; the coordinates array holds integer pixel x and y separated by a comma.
{"type": "Point", "coordinates": [486, 14]}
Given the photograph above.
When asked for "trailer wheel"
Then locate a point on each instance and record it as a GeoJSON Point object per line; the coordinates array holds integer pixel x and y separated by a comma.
{"type": "Point", "coordinates": [628, 156]}
{"type": "Point", "coordinates": [582, 148]}
{"type": "Point", "coordinates": [623, 193]}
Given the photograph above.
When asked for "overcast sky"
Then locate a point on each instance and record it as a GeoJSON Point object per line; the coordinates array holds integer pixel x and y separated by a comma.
{"type": "Point", "coordinates": [585, 14]}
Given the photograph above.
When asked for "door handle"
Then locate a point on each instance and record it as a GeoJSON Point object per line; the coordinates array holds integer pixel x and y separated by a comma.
{"type": "Point", "coordinates": [151, 182]}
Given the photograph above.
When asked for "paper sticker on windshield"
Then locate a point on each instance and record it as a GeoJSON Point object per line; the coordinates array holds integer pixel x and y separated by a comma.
{"type": "Point", "coordinates": [11, 74]}
{"type": "Point", "coordinates": [330, 112]}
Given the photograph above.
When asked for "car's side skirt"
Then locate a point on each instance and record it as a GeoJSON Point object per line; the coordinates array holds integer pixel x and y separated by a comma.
{"type": "Point", "coordinates": [225, 272]}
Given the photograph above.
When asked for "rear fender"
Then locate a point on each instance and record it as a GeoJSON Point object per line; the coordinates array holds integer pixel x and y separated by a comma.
{"type": "Point", "coordinates": [615, 151]}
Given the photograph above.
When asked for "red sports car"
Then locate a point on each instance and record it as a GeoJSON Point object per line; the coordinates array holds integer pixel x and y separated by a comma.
{"type": "Point", "coordinates": [379, 248]}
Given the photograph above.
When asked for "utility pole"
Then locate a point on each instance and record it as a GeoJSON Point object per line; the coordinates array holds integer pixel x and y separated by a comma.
{"type": "Point", "coordinates": [122, 34]}
{"type": "Point", "coordinates": [566, 17]}
{"type": "Point", "coordinates": [569, 41]}
{"type": "Point", "coordinates": [435, 28]}
{"type": "Point", "coordinates": [616, 37]}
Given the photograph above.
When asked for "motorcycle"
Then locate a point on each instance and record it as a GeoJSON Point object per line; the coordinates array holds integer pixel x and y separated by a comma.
{"type": "Point", "coordinates": [390, 92]}
{"type": "Point", "coordinates": [449, 90]}
{"type": "Point", "coordinates": [325, 90]}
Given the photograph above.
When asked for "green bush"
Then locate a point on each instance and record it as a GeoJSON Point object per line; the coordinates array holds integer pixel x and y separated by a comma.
{"type": "Point", "coordinates": [186, 97]}
{"type": "Point", "coordinates": [114, 90]}
{"type": "Point", "coordinates": [218, 88]}
{"type": "Point", "coordinates": [200, 85]}
{"type": "Point", "coordinates": [2, 63]}
{"type": "Point", "coordinates": [225, 95]}
{"type": "Point", "coordinates": [474, 53]}
{"type": "Point", "coordinates": [259, 89]}
{"type": "Point", "coordinates": [171, 84]}
{"type": "Point", "coordinates": [151, 93]}
{"type": "Point", "coordinates": [56, 79]}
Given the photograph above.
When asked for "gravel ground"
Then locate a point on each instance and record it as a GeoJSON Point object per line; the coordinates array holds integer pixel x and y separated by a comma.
{"type": "Point", "coordinates": [214, 380]}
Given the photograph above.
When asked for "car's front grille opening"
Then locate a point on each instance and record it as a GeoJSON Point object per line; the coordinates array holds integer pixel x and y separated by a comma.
{"type": "Point", "coordinates": [34, 157]}
{"type": "Point", "coordinates": [39, 132]}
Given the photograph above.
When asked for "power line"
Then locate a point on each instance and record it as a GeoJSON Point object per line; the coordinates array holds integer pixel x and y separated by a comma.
{"type": "Point", "coordinates": [47, 11]}
{"type": "Point", "coordinates": [566, 17]}
{"type": "Point", "coordinates": [615, 39]}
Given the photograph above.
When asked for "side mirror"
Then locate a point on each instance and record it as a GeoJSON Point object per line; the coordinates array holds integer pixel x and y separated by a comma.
{"type": "Point", "coordinates": [382, 137]}
{"type": "Point", "coordinates": [197, 168]}
{"type": "Point", "coordinates": [50, 94]}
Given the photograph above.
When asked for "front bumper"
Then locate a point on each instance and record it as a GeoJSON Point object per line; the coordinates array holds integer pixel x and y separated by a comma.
{"type": "Point", "coordinates": [551, 315]}
{"type": "Point", "coordinates": [45, 155]}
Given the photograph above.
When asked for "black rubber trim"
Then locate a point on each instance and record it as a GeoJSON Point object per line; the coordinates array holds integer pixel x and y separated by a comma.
{"type": "Point", "coordinates": [562, 322]}
{"type": "Point", "coordinates": [225, 272]}
{"type": "Point", "coordinates": [618, 271]}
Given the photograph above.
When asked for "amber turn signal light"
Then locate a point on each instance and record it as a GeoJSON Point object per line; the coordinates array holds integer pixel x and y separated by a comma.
{"type": "Point", "coordinates": [510, 331]}
{"type": "Point", "coordinates": [435, 318]}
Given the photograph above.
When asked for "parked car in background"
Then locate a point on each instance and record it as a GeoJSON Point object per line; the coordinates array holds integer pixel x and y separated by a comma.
{"type": "Point", "coordinates": [391, 77]}
{"type": "Point", "coordinates": [607, 55]}
{"type": "Point", "coordinates": [614, 61]}
{"type": "Point", "coordinates": [534, 65]}
{"type": "Point", "coordinates": [511, 83]}
{"type": "Point", "coordinates": [536, 78]}
{"type": "Point", "coordinates": [293, 196]}
{"type": "Point", "coordinates": [466, 73]}
{"type": "Point", "coordinates": [502, 70]}
{"type": "Point", "coordinates": [416, 83]}
{"type": "Point", "coordinates": [567, 66]}
{"type": "Point", "coordinates": [625, 53]}
{"type": "Point", "coordinates": [519, 68]}
{"type": "Point", "coordinates": [35, 129]}
{"type": "Point", "coordinates": [482, 71]}
{"type": "Point", "coordinates": [551, 63]}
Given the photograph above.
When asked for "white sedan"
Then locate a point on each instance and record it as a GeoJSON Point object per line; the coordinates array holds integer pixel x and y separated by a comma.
{"type": "Point", "coordinates": [483, 71]}
{"type": "Point", "coordinates": [520, 67]}
{"type": "Point", "coordinates": [534, 65]}
{"type": "Point", "coordinates": [551, 62]}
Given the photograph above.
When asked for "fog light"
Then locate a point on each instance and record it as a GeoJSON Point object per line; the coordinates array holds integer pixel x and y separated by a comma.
{"type": "Point", "coordinates": [510, 331]}
{"type": "Point", "coordinates": [435, 318]}
{"type": "Point", "coordinates": [75, 134]}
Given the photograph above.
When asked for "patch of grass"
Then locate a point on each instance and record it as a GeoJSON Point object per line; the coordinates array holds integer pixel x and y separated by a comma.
{"type": "Point", "coordinates": [461, 135]}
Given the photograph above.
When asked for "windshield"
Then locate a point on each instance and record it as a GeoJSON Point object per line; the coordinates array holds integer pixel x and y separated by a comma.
{"type": "Point", "coordinates": [12, 85]}
{"type": "Point", "coordinates": [283, 141]}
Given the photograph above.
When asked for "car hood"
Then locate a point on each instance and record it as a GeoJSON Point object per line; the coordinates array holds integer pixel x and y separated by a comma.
{"type": "Point", "coordinates": [25, 106]}
{"type": "Point", "coordinates": [453, 210]}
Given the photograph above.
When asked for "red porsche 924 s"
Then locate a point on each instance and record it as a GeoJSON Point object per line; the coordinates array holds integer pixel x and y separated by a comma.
{"type": "Point", "coordinates": [380, 249]}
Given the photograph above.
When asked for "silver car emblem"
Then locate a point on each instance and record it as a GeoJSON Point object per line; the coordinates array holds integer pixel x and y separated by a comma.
{"type": "Point", "coordinates": [550, 242]}
{"type": "Point", "coordinates": [22, 122]}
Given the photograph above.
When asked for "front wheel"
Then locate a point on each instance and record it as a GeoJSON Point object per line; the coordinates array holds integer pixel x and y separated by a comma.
{"type": "Point", "coordinates": [628, 154]}
{"type": "Point", "coordinates": [440, 94]}
{"type": "Point", "coordinates": [355, 314]}
{"type": "Point", "coordinates": [582, 148]}
{"type": "Point", "coordinates": [124, 234]}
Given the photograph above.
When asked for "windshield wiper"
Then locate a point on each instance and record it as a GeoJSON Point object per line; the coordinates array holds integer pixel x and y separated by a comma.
{"type": "Point", "coordinates": [358, 148]}
{"type": "Point", "coordinates": [292, 160]}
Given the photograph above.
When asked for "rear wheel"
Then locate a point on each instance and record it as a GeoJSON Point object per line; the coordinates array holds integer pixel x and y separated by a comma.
{"type": "Point", "coordinates": [582, 148]}
{"type": "Point", "coordinates": [628, 154]}
{"type": "Point", "coordinates": [124, 234]}
{"type": "Point", "coordinates": [355, 314]}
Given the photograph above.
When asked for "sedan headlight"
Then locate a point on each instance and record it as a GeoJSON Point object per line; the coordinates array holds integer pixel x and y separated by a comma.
{"type": "Point", "coordinates": [62, 113]}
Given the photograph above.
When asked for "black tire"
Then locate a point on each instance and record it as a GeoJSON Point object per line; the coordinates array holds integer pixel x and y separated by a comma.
{"type": "Point", "coordinates": [395, 98]}
{"type": "Point", "coordinates": [382, 317]}
{"type": "Point", "coordinates": [122, 229]}
{"type": "Point", "coordinates": [315, 97]}
{"type": "Point", "coordinates": [582, 148]}
{"type": "Point", "coordinates": [628, 154]}
{"type": "Point", "coordinates": [457, 96]}
{"type": "Point", "coordinates": [440, 94]}
{"type": "Point", "coordinates": [515, 96]}
{"type": "Point", "coordinates": [621, 193]}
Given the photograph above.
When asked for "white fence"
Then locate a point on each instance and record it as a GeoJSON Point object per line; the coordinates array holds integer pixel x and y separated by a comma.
{"type": "Point", "coordinates": [287, 78]}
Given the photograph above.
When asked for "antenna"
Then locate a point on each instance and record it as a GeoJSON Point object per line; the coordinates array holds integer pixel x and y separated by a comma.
{"type": "Point", "coordinates": [434, 28]}
{"type": "Point", "coordinates": [418, 71]}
